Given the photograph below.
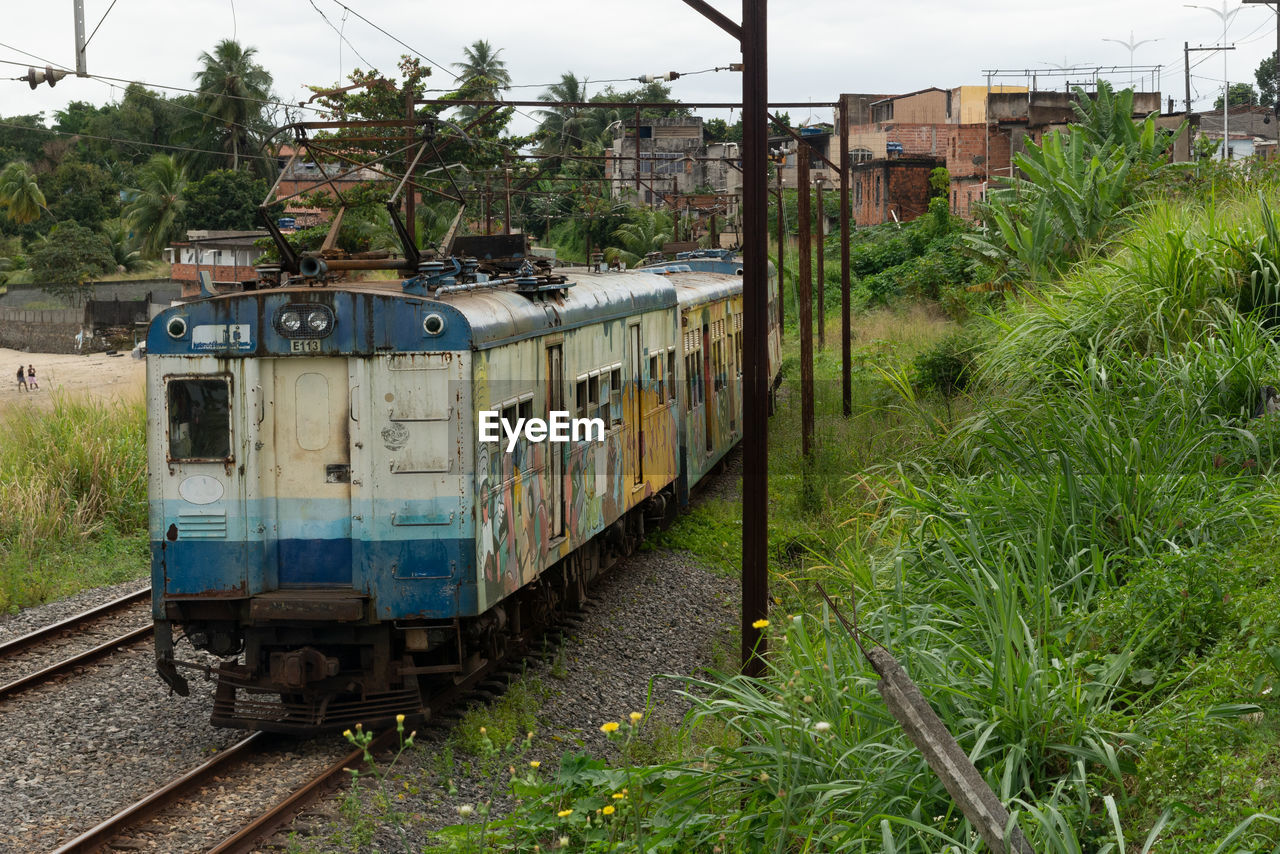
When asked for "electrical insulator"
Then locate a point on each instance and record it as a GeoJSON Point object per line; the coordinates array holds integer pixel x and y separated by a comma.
{"type": "Point", "coordinates": [666, 75]}
{"type": "Point", "coordinates": [35, 76]}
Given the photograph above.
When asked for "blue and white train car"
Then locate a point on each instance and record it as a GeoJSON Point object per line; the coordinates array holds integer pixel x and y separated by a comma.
{"type": "Point", "coordinates": [325, 518]}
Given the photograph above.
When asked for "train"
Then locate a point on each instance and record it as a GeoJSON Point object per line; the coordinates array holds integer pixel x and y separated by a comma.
{"type": "Point", "coordinates": [333, 526]}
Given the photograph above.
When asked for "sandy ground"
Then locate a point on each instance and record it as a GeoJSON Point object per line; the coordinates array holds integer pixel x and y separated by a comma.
{"type": "Point", "coordinates": [95, 374]}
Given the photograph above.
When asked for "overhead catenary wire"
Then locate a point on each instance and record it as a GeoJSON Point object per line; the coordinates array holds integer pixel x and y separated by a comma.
{"type": "Point", "coordinates": [100, 20]}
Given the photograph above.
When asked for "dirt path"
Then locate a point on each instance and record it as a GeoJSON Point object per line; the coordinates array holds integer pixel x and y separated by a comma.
{"type": "Point", "coordinates": [95, 374]}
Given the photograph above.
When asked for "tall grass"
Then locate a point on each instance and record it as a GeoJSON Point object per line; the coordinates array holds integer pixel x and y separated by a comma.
{"type": "Point", "coordinates": [73, 487]}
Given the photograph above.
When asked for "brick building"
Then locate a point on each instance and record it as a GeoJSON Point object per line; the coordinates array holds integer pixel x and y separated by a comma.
{"type": "Point", "coordinates": [228, 256]}
{"type": "Point", "coordinates": [890, 189]}
{"type": "Point", "coordinates": [974, 131]}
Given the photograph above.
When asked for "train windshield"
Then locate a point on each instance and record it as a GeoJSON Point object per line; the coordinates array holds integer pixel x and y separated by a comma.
{"type": "Point", "coordinates": [199, 419]}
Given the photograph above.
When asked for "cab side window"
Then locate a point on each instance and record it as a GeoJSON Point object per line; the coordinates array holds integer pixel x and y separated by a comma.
{"type": "Point", "coordinates": [199, 418]}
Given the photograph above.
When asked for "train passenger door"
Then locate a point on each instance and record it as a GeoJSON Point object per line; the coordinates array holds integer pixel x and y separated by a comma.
{"type": "Point", "coordinates": [556, 450]}
{"type": "Point", "coordinates": [311, 402]}
{"type": "Point", "coordinates": [632, 415]}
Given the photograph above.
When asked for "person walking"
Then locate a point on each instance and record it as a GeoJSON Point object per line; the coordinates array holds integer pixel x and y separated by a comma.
{"type": "Point", "coordinates": [22, 378]}
{"type": "Point", "coordinates": [31, 378]}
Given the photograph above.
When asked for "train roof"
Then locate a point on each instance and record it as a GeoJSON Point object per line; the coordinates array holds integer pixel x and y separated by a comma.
{"type": "Point", "coordinates": [492, 315]}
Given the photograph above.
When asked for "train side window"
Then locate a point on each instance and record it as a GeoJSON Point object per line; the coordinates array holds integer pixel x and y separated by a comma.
{"type": "Point", "coordinates": [580, 397]}
{"type": "Point", "coordinates": [615, 396]}
{"type": "Point", "coordinates": [199, 412]}
{"type": "Point", "coordinates": [737, 349]}
{"type": "Point", "coordinates": [656, 378]}
{"type": "Point", "coordinates": [593, 400]}
{"type": "Point", "coordinates": [671, 373]}
{"type": "Point", "coordinates": [524, 410]}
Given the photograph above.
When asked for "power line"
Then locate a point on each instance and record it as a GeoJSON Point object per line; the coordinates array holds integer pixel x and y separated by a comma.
{"type": "Point", "coordinates": [398, 40]}
{"type": "Point", "coordinates": [125, 141]}
{"type": "Point", "coordinates": [341, 36]}
{"type": "Point", "coordinates": [100, 20]}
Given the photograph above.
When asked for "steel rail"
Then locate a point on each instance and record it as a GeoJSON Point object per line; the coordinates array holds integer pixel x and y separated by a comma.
{"type": "Point", "coordinates": [132, 816]}
{"type": "Point", "coordinates": [251, 837]}
{"type": "Point", "coordinates": [98, 651]}
{"type": "Point", "coordinates": [12, 646]}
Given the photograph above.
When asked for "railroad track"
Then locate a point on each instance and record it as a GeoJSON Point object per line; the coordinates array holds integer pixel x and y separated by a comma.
{"type": "Point", "coordinates": [155, 813]}
{"type": "Point", "coordinates": [18, 646]}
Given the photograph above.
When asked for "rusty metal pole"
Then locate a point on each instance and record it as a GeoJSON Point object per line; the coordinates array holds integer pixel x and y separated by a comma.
{"type": "Point", "coordinates": [819, 242]}
{"type": "Point", "coordinates": [846, 323]}
{"type": "Point", "coordinates": [755, 287]}
{"type": "Point", "coordinates": [782, 235]}
{"type": "Point", "coordinates": [804, 299]}
{"type": "Point", "coordinates": [488, 208]}
{"type": "Point", "coordinates": [410, 215]}
{"type": "Point", "coordinates": [506, 226]}
{"type": "Point", "coordinates": [635, 138]}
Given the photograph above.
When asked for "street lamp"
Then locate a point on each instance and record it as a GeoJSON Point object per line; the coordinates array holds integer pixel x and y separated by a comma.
{"type": "Point", "coordinates": [1226, 85]}
{"type": "Point", "coordinates": [1132, 45]}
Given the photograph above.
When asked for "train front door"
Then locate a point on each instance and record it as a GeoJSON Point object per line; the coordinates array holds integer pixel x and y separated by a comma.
{"type": "Point", "coordinates": [310, 408]}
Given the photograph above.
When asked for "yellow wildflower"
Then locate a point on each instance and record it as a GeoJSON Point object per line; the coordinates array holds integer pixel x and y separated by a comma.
{"type": "Point", "coordinates": [399, 719]}
{"type": "Point", "coordinates": [483, 731]}
{"type": "Point", "coordinates": [760, 624]}
{"type": "Point", "coordinates": [564, 813]}
{"type": "Point", "coordinates": [617, 796]}
{"type": "Point", "coordinates": [635, 717]}
{"type": "Point", "coordinates": [608, 810]}
{"type": "Point", "coordinates": [611, 726]}
{"type": "Point", "coordinates": [346, 733]}
{"type": "Point", "coordinates": [534, 764]}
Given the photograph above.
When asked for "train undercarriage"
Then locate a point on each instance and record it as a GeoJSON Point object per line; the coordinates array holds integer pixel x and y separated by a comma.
{"type": "Point", "coordinates": [309, 660]}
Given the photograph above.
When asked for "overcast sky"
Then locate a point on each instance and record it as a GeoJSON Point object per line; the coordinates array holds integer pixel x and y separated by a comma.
{"type": "Point", "coordinates": [817, 48]}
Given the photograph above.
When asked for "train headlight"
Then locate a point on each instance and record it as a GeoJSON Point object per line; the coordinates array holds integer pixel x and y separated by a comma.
{"type": "Point", "coordinates": [433, 324]}
{"type": "Point", "coordinates": [304, 320]}
{"type": "Point", "coordinates": [319, 321]}
{"type": "Point", "coordinates": [176, 327]}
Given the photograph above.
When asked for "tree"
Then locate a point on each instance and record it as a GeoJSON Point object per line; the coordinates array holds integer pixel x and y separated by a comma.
{"type": "Point", "coordinates": [156, 212]}
{"type": "Point", "coordinates": [23, 138]}
{"type": "Point", "coordinates": [484, 76]}
{"type": "Point", "coordinates": [224, 199]}
{"type": "Point", "coordinates": [69, 259]}
{"type": "Point", "coordinates": [645, 231]}
{"type": "Point", "coordinates": [81, 191]}
{"type": "Point", "coordinates": [562, 128]}
{"type": "Point", "coordinates": [20, 194]}
{"type": "Point", "coordinates": [1242, 94]}
{"type": "Point", "coordinates": [232, 91]}
{"type": "Point", "coordinates": [120, 240]}
{"type": "Point", "coordinates": [1266, 77]}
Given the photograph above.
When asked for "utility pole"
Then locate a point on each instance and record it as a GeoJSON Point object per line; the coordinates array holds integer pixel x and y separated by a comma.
{"type": "Point", "coordinates": [846, 325]}
{"type": "Point", "coordinates": [82, 65]}
{"type": "Point", "coordinates": [819, 240]}
{"type": "Point", "coordinates": [782, 235]}
{"type": "Point", "coordinates": [1226, 83]}
{"type": "Point", "coordinates": [804, 298]}
{"type": "Point", "coordinates": [410, 214]}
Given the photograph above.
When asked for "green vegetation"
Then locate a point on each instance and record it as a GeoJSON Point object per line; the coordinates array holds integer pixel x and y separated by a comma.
{"type": "Point", "coordinates": [73, 485]}
{"type": "Point", "coordinates": [1061, 520]}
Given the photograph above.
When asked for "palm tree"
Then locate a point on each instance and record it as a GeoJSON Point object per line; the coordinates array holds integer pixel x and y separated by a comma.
{"type": "Point", "coordinates": [155, 214]}
{"type": "Point", "coordinates": [644, 232]}
{"type": "Point", "coordinates": [232, 91]}
{"type": "Point", "coordinates": [20, 195]}
{"type": "Point", "coordinates": [564, 129]}
{"type": "Point", "coordinates": [484, 76]}
{"type": "Point", "coordinates": [123, 247]}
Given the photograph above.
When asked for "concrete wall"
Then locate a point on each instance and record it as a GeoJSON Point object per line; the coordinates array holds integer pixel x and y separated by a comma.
{"type": "Point", "coordinates": [161, 290]}
{"type": "Point", "coordinates": [40, 331]}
